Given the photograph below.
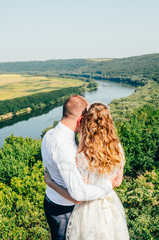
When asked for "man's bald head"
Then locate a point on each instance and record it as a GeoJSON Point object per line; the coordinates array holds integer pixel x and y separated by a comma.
{"type": "Point", "coordinates": [74, 106]}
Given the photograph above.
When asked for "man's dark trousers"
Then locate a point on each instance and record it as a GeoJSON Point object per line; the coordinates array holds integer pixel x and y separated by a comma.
{"type": "Point", "coordinates": [57, 218]}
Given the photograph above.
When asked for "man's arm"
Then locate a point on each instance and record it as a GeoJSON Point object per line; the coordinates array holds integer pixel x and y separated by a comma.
{"type": "Point", "coordinates": [59, 189]}
{"type": "Point", "coordinates": [78, 190]}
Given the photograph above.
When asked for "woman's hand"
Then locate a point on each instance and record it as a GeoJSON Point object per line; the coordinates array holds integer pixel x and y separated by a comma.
{"type": "Point", "coordinates": [85, 180]}
{"type": "Point", "coordinates": [118, 180]}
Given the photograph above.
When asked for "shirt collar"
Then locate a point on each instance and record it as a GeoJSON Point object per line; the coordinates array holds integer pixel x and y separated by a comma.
{"type": "Point", "coordinates": [66, 130]}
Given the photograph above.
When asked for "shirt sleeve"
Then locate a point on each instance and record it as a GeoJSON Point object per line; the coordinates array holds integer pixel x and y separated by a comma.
{"type": "Point", "coordinates": [70, 174]}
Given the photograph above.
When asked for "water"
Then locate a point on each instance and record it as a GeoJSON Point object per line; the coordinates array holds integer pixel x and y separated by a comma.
{"type": "Point", "coordinates": [33, 125]}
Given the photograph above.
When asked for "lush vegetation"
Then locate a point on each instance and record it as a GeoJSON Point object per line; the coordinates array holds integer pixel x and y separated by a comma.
{"type": "Point", "coordinates": [22, 190]}
{"type": "Point", "coordinates": [42, 76]}
{"type": "Point", "coordinates": [140, 138]}
{"type": "Point", "coordinates": [124, 107]}
{"type": "Point", "coordinates": [137, 69]}
{"type": "Point", "coordinates": [136, 118]}
{"type": "Point", "coordinates": [38, 100]}
{"type": "Point", "coordinates": [22, 186]}
{"type": "Point", "coordinates": [140, 200]}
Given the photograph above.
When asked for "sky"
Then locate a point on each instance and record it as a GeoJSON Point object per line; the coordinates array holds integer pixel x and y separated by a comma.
{"type": "Point", "coordinates": [70, 29]}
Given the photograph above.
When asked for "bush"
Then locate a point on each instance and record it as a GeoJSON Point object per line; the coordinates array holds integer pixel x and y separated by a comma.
{"type": "Point", "coordinates": [22, 188]}
{"type": "Point", "coordinates": [17, 156]}
{"type": "Point", "coordinates": [140, 139]}
{"type": "Point", "coordinates": [21, 205]}
{"type": "Point", "coordinates": [140, 200]}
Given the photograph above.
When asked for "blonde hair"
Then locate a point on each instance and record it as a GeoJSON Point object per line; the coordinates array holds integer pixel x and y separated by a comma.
{"type": "Point", "coordinates": [99, 141]}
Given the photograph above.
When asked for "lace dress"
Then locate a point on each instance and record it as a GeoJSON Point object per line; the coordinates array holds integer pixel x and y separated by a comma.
{"type": "Point", "coordinates": [101, 219]}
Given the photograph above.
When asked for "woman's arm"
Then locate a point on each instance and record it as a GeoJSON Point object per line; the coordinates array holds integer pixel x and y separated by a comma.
{"type": "Point", "coordinates": [62, 191]}
{"type": "Point", "coordinates": [118, 180]}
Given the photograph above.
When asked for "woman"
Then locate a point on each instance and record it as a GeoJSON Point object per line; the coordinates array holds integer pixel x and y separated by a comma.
{"type": "Point", "coordinates": [99, 156]}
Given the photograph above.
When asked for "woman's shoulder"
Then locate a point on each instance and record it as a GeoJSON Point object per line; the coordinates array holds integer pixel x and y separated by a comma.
{"type": "Point", "coordinates": [81, 159]}
{"type": "Point", "coordinates": [82, 164]}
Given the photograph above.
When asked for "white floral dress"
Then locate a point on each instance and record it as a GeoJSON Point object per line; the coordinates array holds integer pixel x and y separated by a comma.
{"type": "Point", "coordinates": [101, 219]}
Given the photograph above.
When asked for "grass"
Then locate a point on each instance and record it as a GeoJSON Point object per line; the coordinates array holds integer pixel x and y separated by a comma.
{"type": "Point", "coordinates": [99, 59]}
{"type": "Point", "coordinates": [16, 85]}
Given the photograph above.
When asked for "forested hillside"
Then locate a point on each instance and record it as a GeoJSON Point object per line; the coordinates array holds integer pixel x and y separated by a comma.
{"type": "Point", "coordinates": [22, 186]}
{"type": "Point", "coordinates": [147, 94]}
{"type": "Point", "coordinates": [133, 69]}
{"type": "Point", "coordinates": [136, 119]}
{"type": "Point", "coordinates": [34, 101]}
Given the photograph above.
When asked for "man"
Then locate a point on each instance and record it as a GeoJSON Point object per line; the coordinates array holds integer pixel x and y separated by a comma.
{"type": "Point", "coordinates": [59, 152]}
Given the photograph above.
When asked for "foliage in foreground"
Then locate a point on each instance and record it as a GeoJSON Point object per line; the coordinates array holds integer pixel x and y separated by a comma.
{"type": "Point", "coordinates": [22, 187]}
{"type": "Point", "coordinates": [140, 139]}
{"type": "Point", "coordinates": [140, 200]}
{"type": "Point", "coordinates": [22, 190]}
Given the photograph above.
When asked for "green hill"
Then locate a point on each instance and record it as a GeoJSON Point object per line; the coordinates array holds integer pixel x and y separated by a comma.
{"type": "Point", "coordinates": [144, 95]}
{"type": "Point", "coordinates": [136, 118]}
{"type": "Point", "coordinates": [138, 69]}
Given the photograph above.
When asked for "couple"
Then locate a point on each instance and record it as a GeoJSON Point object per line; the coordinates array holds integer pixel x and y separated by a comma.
{"type": "Point", "coordinates": [84, 176]}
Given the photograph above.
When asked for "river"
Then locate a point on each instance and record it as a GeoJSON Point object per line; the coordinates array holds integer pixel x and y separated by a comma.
{"type": "Point", "coordinates": [32, 125]}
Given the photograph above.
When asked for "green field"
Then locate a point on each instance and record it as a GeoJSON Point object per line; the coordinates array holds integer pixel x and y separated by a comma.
{"type": "Point", "coordinates": [99, 59]}
{"type": "Point", "coordinates": [16, 85]}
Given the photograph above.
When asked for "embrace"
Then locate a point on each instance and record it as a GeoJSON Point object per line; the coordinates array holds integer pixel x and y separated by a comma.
{"type": "Point", "coordinates": [80, 203]}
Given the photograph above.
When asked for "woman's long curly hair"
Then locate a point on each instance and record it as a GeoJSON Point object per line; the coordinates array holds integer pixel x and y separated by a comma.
{"type": "Point", "coordinates": [99, 141]}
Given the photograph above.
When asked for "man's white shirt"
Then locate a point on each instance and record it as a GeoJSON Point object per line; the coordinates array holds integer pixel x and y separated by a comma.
{"type": "Point", "coordinates": [59, 152]}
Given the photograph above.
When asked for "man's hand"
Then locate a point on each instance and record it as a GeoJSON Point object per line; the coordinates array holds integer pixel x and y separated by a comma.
{"type": "Point", "coordinates": [47, 177]}
{"type": "Point", "coordinates": [62, 191]}
{"type": "Point", "coordinates": [113, 180]}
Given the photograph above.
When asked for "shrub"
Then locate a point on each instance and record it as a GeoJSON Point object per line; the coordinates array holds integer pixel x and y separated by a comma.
{"type": "Point", "coordinates": [140, 200]}
{"type": "Point", "coordinates": [140, 138]}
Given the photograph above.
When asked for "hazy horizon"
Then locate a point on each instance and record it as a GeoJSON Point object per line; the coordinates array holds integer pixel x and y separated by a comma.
{"type": "Point", "coordinates": [38, 60]}
{"type": "Point", "coordinates": [51, 30]}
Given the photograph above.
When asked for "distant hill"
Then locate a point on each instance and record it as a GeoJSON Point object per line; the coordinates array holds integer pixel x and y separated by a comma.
{"type": "Point", "coordinates": [43, 66]}
{"type": "Point", "coordinates": [137, 69]}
